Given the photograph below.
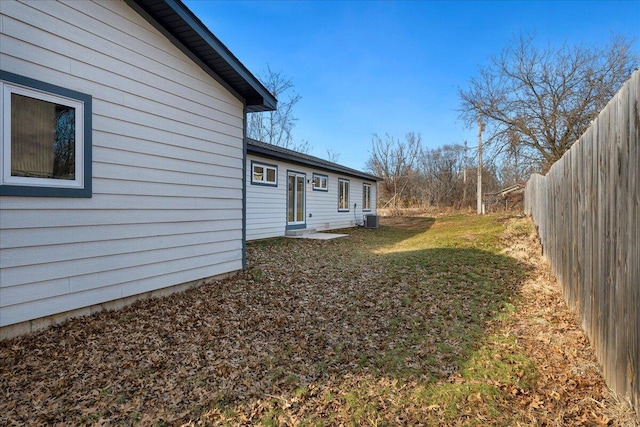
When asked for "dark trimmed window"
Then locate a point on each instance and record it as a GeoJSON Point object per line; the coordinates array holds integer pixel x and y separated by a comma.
{"type": "Point", "coordinates": [320, 182]}
{"type": "Point", "coordinates": [343, 195]}
{"type": "Point", "coordinates": [46, 139]}
{"type": "Point", "coordinates": [366, 197]}
{"type": "Point", "coordinates": [264, 174]}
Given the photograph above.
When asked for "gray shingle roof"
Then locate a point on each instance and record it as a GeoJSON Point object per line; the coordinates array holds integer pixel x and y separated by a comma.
{"type": "Point", "coordinates": [280, 153]}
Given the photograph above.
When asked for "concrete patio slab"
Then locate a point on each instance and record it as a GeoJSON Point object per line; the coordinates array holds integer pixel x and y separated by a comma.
{"type": "Point", "coordinates": [319, 236]}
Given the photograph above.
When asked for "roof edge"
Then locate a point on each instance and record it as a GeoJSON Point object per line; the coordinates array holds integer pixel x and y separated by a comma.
{"type": "Point", "coordinates": [281, 153]}
{"type": "Point", "coordinates": [228, 56]}
{"type": "Point", "coordinates": [256, 100]}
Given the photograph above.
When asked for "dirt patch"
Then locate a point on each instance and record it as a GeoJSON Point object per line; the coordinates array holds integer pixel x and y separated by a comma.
{"type": "Point", "coordinates": [410, 223]}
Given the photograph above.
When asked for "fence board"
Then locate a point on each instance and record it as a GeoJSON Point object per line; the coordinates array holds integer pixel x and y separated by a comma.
{"type": "Point", "coordinates": [586, 210]}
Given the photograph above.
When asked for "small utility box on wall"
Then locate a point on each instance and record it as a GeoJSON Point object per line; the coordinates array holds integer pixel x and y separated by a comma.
{"type": "Point", "coordinates": [371, 221]}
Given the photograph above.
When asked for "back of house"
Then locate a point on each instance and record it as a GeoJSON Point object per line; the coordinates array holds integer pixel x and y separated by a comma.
{"type": "Point", "coordinates": [121, 158]}
{"type": "Point", "coordinates": [290, 193]}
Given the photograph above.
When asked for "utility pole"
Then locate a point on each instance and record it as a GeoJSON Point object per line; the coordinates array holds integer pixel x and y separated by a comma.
{"type": "Point", "coordinates": [480, 125]}
{"type": "Point", "coordinates": [464, 176]}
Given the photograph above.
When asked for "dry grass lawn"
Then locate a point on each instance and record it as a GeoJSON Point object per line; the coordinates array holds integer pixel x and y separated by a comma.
{"type": "Point", "coordinates": [447, 321]}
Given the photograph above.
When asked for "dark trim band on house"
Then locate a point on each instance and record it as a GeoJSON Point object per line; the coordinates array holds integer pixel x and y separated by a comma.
{"type": "Point", "coordinates": [189, 34]}
{"type": "Point", "coordinates": [279, 153]}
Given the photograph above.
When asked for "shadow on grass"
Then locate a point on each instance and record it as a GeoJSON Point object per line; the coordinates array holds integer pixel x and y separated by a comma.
{"type": "Point", "coordinates": [381, 326]}
{"type": "Point", "coordinates": [401, 315]}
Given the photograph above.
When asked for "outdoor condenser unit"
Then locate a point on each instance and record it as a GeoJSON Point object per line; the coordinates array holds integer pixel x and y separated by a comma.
{"type": "Point", "coordinates": [371, 221]}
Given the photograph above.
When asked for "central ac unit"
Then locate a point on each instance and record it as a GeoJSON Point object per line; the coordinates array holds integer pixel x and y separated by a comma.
{"type": "Point", "coordinates": [371, 221]}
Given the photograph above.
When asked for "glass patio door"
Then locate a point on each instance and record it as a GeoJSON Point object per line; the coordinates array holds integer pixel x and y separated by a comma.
{"type": "Point", "coordinates": [295, 198]}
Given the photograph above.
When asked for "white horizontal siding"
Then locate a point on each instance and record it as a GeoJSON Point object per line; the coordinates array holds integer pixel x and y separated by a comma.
{"type": "Point", "coordinates": [116, 43]}
{"type": "Point", "coordinates": [46, 236]}
{"type": "Point", "coordinates": [12, 219]}
{"type": "Point", "coordinates": [54, 304]}
{"type": "Point", "coordinates": [266, 205]}
{"type": "Point", "coordinates": [23, 257]}
{"type": "Point", "coordinates": [167, 164]}
{"type": "Point", "coordinates": [96, 273]}
{"type": "Point", "coordinates": [323, 205]}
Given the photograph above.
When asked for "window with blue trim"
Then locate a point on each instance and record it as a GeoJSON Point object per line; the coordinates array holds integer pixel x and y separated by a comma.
{"type": "Point", "coordinates": [45, 148]}
{"type": "Point", "coordinates": [366, 197]}
{"type": "Point", "coordinates": [343, 195]}
{"type": "Point", "coordinates": [320, 182]}
{"type": "Point", "coordinates": [264, 174]}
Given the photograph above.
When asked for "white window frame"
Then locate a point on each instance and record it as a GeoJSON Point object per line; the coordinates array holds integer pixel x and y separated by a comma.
{"type": "Point", "coordinates": [265, 167]}
{"type": "Point", "coordinates": [6, 178]}
{"type": "Point", "coordinates": [321, 179]}
{"type": "Point", "coordinates": [343, 185]}
{"type": "Point", "coordinates": [366, 197]}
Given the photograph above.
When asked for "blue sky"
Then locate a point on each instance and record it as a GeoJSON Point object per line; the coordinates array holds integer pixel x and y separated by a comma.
{"type": "Point", "coordinates": [376, 67]}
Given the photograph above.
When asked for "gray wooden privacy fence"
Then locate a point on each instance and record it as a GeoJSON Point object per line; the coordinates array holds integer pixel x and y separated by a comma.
{"type": "Point", "coordinates": [586, 211]}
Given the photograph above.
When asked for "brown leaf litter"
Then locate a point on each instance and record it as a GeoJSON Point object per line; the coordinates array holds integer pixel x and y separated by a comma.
{"type": "Point", "coordinates": [335, 338]}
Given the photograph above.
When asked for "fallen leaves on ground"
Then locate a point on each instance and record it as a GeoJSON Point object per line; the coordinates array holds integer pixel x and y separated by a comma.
{"type": "Point", "coordinates": [385, 327]}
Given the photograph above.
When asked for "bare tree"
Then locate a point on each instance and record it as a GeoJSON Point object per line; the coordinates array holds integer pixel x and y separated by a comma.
{"type": "Point", "coordinates": [512, 166]}
{"type": "Point", "coordinates": [413, 176]}
{"type": "Point", "coordinates": [275, 127]}
{"type": "Point", "coordinates": [543, 99]}
{"type": "Point", "coordinates": [395, 161]}
{"type": "Point", "coordinates": [442, 172]}
{"type": "Point", "coordinates": [332, 156]}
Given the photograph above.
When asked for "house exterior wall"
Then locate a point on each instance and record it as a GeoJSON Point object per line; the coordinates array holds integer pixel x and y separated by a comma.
{"type": "Point", "coordinates": [267, 205]}
{"type": "Point", "coordinates": [167, 165]}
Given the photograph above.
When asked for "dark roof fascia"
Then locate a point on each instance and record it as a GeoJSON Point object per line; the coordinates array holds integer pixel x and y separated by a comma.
{"type": "Point", "coordinates": [279, 153]}
{"type": "Point", "coordinates": [176, 22]}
